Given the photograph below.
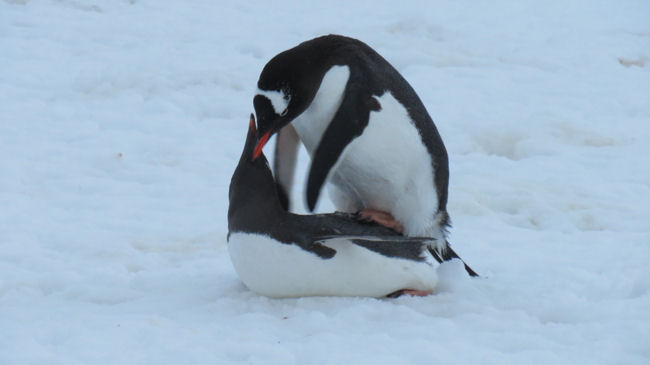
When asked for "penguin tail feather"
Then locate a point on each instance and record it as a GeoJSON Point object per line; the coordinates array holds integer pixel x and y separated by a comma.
{"type": "Point", "coordinates": [448, 254]}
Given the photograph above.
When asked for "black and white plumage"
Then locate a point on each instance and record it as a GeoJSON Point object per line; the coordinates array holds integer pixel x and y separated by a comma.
{"type": "Point", "coordinates": [367, 132]}
{"type": "Point", "coordinates": [280, 254]}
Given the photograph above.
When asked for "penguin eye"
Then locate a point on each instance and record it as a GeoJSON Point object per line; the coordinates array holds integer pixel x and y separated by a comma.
{"type": "Point", "coordinates": [284, 112]}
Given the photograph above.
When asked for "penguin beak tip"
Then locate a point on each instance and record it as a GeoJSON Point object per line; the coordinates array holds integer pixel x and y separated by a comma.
{"type": "Point", "coordinates": [260, 145]}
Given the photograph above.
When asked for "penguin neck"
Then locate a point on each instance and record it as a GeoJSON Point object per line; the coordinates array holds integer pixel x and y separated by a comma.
{"type": "Point", "coordinates": [254, 202]}
{"type": "Point", "coordinates": [258, 216]}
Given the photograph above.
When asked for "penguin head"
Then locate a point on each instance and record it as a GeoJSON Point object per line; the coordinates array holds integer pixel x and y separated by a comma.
{"type": "Point", "coordinates": [272, 109]}
{"type": "Point", "coordinates": [252, 170]}
{"type": "Point", "coordinates": [252, 193]}
{"type": "Point", "coordinates": [286, 87]}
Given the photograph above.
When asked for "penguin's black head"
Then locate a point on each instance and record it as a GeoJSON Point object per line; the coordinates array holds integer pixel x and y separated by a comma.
{"type": "Point", "coordinates": [272, 109]}
{"type": "Point", "coordinates": [253, 196]}
{"type": "Point", "coordinates": [286, 87]}
{"type": "Point", "coordinates": [253, 171]}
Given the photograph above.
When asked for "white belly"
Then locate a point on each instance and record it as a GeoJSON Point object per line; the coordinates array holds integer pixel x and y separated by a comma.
{"type": "Point", "coordinates": [386, 168]}
{"type": "Point", "coordinates": [274, 269]}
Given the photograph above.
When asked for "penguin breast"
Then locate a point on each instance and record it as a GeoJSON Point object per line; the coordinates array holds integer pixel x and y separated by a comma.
{"type": "Point", "coordinates": [389, 168]}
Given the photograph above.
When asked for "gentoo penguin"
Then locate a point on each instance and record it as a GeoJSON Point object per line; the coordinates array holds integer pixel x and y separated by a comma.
{"type": "Point", "coordinates": [367, 133]}
{"type": "Point", "coordinates": [281, 254]}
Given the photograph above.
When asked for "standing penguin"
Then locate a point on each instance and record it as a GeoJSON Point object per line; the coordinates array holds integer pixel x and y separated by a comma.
{"type": "Point", "coordinates": [367, 133]}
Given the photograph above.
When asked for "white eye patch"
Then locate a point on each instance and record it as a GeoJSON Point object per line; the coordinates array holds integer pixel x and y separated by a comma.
{"type": "Point", "coordinates": [278, 99]}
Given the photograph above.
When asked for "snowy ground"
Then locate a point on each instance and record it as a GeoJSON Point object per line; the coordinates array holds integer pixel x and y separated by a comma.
{"type": "Point", "coordinates": [122, 121]}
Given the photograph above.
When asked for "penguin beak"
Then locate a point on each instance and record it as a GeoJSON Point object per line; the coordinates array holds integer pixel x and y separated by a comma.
{"type": "Point", "coordinates": [260, 144]}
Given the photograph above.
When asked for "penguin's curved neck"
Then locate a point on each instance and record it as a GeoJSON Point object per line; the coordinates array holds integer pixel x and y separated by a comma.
{"type": "Point", "coordinates": [253, 193]}
{"type": "Point", "coordinates": [255, 211]}
{"type": "Point", "coordinates": [254, 202]}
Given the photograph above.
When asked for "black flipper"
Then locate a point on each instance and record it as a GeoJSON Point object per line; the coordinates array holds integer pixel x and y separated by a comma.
{"type": "Point", "coordinates": [347, 124]}
{"type": "Point", "coordinates": [284, 163]}
{"type": "Point", "coordinates": [409, 248]}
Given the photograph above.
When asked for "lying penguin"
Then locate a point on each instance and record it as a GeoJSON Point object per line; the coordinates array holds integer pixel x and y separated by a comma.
{"type": "Point", "coordinates": [366, 130]}
{"type": "Point", "coordinates": [281, 254]}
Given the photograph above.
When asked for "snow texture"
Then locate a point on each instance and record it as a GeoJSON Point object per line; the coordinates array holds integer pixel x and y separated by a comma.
{"type": "Point", "coordinates": [121, 123]}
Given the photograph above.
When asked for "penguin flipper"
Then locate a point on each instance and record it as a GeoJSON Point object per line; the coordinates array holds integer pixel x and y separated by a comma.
{"type": "Point", "coordinates": [284, 163]}
{"type": "Point", "coordinates": [409, 248]}
{"type": "Point", "coordinates": [348, 123]}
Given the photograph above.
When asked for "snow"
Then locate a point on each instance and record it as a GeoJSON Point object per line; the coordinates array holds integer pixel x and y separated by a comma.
{"type": "Point", "coordinates": [121, 123]}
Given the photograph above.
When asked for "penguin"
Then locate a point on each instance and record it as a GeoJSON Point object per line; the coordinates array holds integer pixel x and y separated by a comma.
{"type": "Point", "coordinates": [281, 254]}
{"type": "Point", "coordinates": [366, 130]}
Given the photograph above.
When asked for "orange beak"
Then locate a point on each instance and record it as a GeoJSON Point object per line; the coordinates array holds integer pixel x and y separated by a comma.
{"type": "Point", "coordinates": [260, 144]}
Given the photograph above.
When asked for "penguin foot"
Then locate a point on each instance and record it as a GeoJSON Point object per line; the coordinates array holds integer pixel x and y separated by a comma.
{"type": "Point", "coordinates": [381, 218]}
{"type": "Point", "coordinates": [411, 292]}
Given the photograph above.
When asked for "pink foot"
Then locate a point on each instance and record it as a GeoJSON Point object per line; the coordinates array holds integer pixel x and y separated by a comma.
{"type": "Point", "coordinates": [381, 218]}
{"type": "Point", "coordinates": [411, 292]}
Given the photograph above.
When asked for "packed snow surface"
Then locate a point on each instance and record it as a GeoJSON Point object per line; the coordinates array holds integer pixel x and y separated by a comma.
{"type": "Point", "coordinates": [121, 123]}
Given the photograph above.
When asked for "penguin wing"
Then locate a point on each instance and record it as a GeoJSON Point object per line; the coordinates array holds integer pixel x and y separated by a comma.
{"type": "Point", "coordinates": [348, 123]}
{"type": "Point", "coordinates": [409, 248]}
